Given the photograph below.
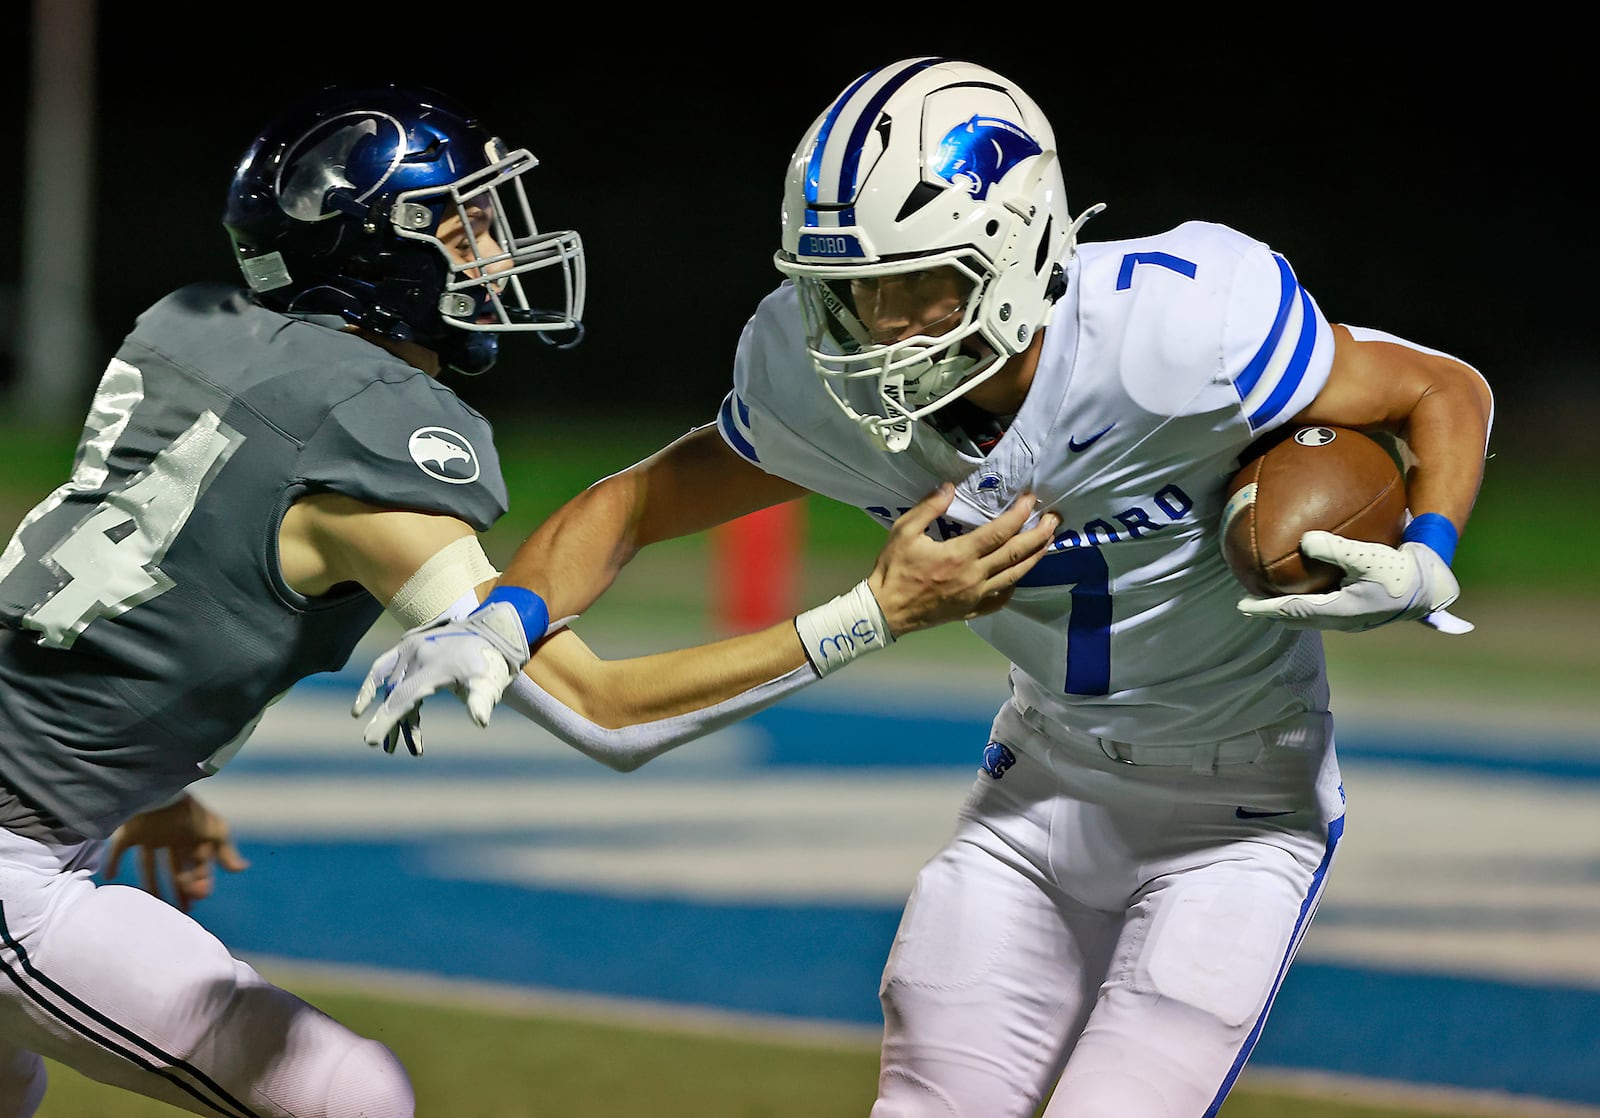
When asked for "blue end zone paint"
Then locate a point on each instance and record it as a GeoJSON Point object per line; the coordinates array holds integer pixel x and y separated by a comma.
{"type": "Point", "coordinates": [822, 962]}
{"type": "Point", "coordinates": [386, 904]}
{"type": "Point", "coordinates": [1462, 1032]}
{"type": "Point", "coordinates": [834, 738]}
{"type": "Point", "coordinates": [386, 909]}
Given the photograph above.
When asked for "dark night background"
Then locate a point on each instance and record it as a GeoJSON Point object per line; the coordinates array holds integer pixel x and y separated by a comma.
{"type": "Point", "coordinates": [1425, 183]}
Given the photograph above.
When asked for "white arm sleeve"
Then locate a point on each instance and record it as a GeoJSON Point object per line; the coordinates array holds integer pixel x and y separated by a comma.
{"type": "Point", "coordinates": [627, 748]}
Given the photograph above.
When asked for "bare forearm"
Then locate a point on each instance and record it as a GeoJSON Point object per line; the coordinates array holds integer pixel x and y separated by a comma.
{"type": "Point", "coordinates": [616, 693]}
{"type": "Point", "coordinates": [1447, 432]}
{"type": "Point", "coordinates": [1439, 405]}
{"type": "Point", "coordinates": [916, 583]}
{"type": "Point", "coordinates": [576, 554]}
{"type": "Point", "coordinates": [687, 487]}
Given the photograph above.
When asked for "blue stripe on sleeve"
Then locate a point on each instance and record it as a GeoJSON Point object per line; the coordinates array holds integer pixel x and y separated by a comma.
{"type": "Point", "coordinates": [1246, 380]}
{"type": "Point", "coordinates": [731, 431]}
{"type": "Point", "coordinates": [1295, 372]}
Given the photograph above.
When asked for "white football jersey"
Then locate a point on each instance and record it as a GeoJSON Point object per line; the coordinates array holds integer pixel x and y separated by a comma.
{"type": "Point", "coordinates": [1165, 359]}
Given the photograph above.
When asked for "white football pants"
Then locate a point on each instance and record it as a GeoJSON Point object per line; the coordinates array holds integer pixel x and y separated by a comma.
{"type": "Point", "coordinates": [124, 988]}
{"type": "Point", "coordinates": [1109, 921]}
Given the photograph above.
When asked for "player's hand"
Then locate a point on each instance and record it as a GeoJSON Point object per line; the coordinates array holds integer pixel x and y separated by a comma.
{"type": "Point", "coordinates": [195, 841]}
{"type": "Point", "coordinates": [1381, 584]}
{"type": "Point", "coordinates": [474, 658]}
{"type": "Point", "coordinates": [921, 582]}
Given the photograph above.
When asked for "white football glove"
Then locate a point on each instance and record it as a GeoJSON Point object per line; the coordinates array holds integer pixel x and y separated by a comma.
{"type": "Point", "coordinates": [474, 657]}
{"type": "Point", "coordinates": [1381, 584]}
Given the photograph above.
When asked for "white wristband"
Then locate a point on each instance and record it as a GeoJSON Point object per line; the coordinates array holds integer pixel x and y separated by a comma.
{"type": "Point", "coordinates": [848, 627]}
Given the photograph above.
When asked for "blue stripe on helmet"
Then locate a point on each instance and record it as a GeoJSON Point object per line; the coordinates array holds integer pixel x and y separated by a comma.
{"type": "Point", "coordinates": [1298, 363]}
{"type": "Point", "coordinates": [814, 168]}
{"type": "Point", "coordinates": [1246, 380]}
{"type": "Point", "coordinates": [858, 134]}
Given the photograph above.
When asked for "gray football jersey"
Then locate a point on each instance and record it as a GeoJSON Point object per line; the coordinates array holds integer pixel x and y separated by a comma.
{"type": "Point", "coordinates": [144, 624]}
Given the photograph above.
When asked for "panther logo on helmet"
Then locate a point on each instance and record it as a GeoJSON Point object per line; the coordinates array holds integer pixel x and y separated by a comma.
{"type": "Point", "coordinates": [976, 155]}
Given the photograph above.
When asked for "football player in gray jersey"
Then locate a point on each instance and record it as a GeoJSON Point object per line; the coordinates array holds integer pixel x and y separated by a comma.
{"type": "Point", "coordinates": [263, 471]}
{"type": "Point", "coordinates": [1159, 802]}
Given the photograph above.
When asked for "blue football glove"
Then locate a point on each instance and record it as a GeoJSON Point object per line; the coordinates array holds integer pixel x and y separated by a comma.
{"type": "Point", "coordinates": [474, 657]}
{"type": "Point", "coordinates": [1411, 582]}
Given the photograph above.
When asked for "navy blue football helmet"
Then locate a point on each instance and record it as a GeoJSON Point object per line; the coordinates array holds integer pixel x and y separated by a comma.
{"type": "Point", "coordinates": [396, 211]}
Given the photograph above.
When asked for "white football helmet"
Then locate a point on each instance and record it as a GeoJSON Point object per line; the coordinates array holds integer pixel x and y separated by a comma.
{"type": "Point", "coordinates": [922, 163]}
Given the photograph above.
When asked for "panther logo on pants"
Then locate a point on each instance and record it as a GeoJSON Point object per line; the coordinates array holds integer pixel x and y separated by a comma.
{"type": "Point", "coordinates": [997, 759]}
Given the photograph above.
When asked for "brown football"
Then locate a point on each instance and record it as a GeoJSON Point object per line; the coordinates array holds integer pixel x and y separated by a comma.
{"type": "Point", "coordinates": [1332, 478]}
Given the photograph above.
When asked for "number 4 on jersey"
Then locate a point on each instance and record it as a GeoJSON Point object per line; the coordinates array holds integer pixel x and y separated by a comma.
{"type": "Point", "coordinates": [109, 560]}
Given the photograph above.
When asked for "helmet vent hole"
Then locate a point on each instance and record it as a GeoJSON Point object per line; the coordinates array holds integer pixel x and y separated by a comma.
{"type": "Point", "coordinates": [921, 195]}
{"type": "Point", "coordinates": [425, 155]}
{"type": "Point", "coordinates": [1043, 252]}
{"type": "Point", "coordinates": [992, 228]}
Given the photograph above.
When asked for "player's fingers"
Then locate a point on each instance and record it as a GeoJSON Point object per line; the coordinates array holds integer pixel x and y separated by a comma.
{"type": "Point", "coordinates": [482, 691]}
{"type": "Point", "coordinates": [1447, 622]}
{"type": "Point", "coordinates": [401, 702]}
{"type": "Point", "coordinates": [380, 730]}
{"type": "Point", "coordinates": [382, 676]}
{"type": "Point", "coordinates": [364, 697]}
{"type": "Point", "coordinates": [1017, 555]}
{"type": "Point", "coordinates": [986, 538]}
{"type": "Point", "coordinates": [481, 696]}
{"type": "Point", "coordinates": [1353, 556]}
{"type": "Point", "coordinates": [1008, 577]}
{"type": "Point", "coordinates": [1286, 608]}
{"type": "Point", "coordinates": [197, 877]}
{"type": "Point", "coordinates": [411, 731]}
{"type": "Point", "coordinates": [230, 859]}
{"type": "Point", "coordinates": [178, 866]}
{"type": "Point", "coordinates": [917, 518]}
{"type": "Point", "coordinates": [369, 690]}
{"type": "Point", "coordinates": [148, 877]}
{"type": "Point", "coordinates": [401, 731]}
{"type": "Point", "coordinates": [114, 852]}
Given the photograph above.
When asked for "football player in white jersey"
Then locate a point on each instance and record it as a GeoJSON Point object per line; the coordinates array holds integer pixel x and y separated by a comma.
{"type": "Point", "coordinates": [1159, 803]}
{"type": "Point", "coordinates": [262, 473]}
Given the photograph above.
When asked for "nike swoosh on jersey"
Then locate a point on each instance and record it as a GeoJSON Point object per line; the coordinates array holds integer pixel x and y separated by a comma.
{"type": "Point", "coordinates": [1246, 813]}
{"type": "Point", "coordinates": [1075, 446]}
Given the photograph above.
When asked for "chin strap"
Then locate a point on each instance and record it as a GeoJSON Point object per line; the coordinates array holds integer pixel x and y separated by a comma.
{"type": "Point", "coordinates": [893, 432]}
{"type": "Point", "coordinates": [471, 355]}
